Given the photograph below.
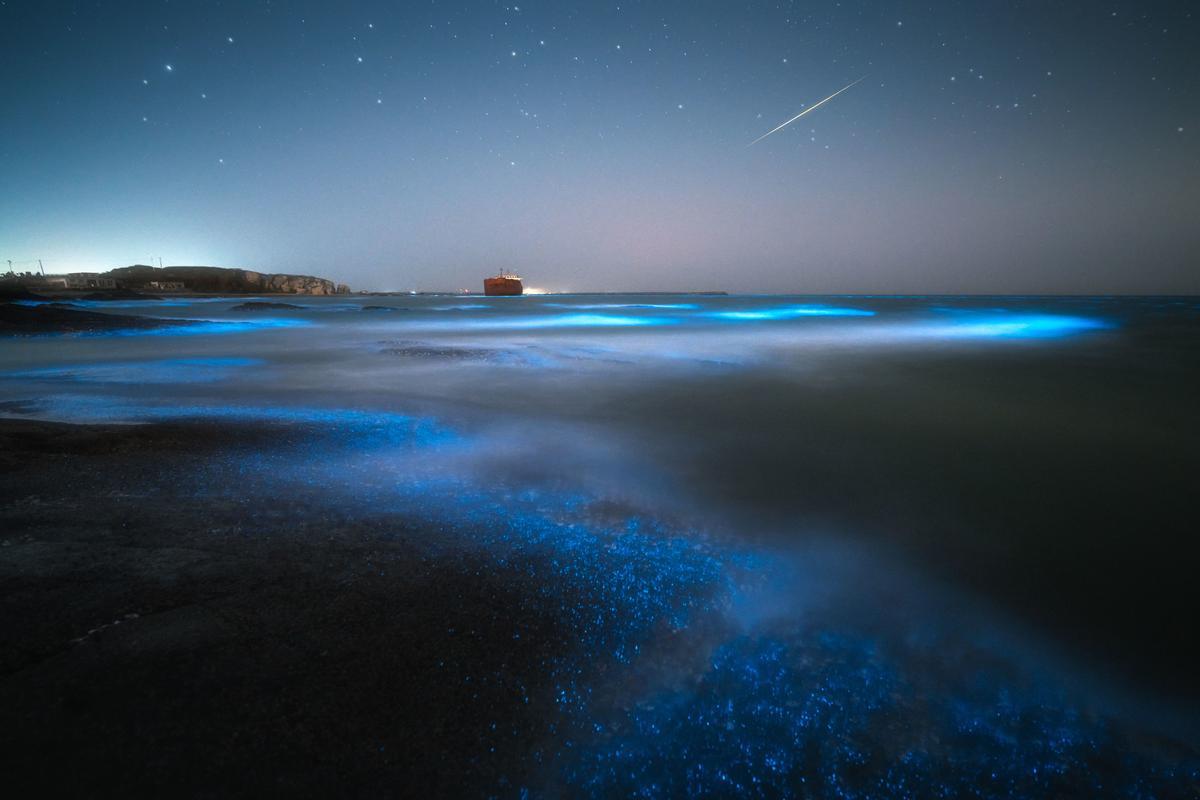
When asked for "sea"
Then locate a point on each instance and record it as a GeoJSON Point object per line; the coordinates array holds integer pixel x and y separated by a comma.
{"type": "Point", "coordinates": [811, 545]}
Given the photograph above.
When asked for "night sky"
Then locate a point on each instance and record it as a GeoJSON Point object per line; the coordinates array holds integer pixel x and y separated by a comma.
{"type": "Point", "coordinates": [992, 147]}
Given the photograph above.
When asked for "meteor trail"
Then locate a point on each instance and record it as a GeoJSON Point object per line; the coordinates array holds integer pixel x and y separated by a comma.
{"type": "Point", "coordinates": [813, 107]}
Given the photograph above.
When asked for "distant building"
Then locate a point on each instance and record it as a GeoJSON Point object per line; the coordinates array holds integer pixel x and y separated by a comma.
{"type": "Point", "coordinates": [166, 286]}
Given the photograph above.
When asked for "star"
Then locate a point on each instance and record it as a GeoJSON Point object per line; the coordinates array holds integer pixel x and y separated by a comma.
{"type": "Point", "coordinates": [168, 68]}
{"type": "Point", "coordinates": [360, 59]}
{"type": "Point", "coordinates": [229, 39]}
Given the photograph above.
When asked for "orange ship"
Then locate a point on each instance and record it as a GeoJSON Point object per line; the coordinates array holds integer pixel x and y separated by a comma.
{"type": "Point", "coordinates": [503, 285]}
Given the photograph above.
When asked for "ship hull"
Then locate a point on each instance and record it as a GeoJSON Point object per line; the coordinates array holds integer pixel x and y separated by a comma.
{"type": "Point", "coordinates": [502, 287]}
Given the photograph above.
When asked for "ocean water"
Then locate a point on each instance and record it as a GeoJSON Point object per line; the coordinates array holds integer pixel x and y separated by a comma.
{"type": "Point", "coordinates": [838, 546]}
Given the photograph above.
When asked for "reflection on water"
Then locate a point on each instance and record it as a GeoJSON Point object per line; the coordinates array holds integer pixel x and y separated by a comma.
{"type": "Point", "coordinates": [848, 547]}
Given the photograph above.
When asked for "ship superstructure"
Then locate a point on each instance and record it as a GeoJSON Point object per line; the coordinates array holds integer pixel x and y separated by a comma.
{"type": "Point", "coordinates": [506, 284]}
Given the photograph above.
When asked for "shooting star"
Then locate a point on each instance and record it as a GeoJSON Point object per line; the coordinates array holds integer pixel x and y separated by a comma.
{"type": "Point", "coordinates": [813, 107]}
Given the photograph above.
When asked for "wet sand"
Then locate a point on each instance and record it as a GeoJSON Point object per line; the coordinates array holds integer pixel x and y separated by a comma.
{"type": "Point", "coordinates": [172, 633]}
{"type": "Point", "coordinates": [161, 643]}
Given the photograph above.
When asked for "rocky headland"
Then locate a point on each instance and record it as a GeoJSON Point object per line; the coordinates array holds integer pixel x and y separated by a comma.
{"type": "Point", "coordinates": [221, 280]}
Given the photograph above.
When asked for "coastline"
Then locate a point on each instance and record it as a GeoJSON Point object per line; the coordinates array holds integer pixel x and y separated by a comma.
{"type": "Point", "coordinates": [289, 539]}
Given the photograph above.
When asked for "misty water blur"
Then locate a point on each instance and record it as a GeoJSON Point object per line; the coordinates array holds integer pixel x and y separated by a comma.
{"type": "Point", "coordinates": [1017, 471]}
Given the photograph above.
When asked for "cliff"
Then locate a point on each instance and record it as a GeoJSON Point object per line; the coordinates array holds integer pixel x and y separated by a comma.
{"type": "Point", "coordinates": [223, 281]}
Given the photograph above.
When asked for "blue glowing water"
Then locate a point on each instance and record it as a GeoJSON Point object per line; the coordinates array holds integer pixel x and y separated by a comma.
{"type": "Point", "coordinates": [792, 312]}
{"type": "Point", "coordinates": [894, 319]}
{"type": "Point", "coordinates": [705, 660]}
{"type": "Point", "coordinates": [166, 370]}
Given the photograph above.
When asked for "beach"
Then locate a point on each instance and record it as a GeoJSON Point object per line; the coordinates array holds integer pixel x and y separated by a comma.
{"type": "Point", "coordinates": [579, 545]}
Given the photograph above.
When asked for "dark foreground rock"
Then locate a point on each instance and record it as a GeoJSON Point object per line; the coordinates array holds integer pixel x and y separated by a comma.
{"type": "Point", "coordinates": [383, 308]}
{"type": "Point", "coordinates": [167, 638]}
{"type": "Point", "coordinates": [425, 350]}
{"type": "Point", "coordinates": [263, 305]}
{"type": "Point", "coordinates": [17, 320]}
{"type": "Point", "coordinates": [178, 622]}
{"type": "Point", "coordinates": [9, 293]}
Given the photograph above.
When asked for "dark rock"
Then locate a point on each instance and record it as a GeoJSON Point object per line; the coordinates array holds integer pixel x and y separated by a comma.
{"type": "Point", "coordinates": [383, 308]}
{"type": "Point", "coordinates": [18, 320]}
{"type": "Point", "coordinates": [424, 350]}
{"type": "Point", "coordinates": [246, 664]}
{"type": "Point", "coordinates": [10, 293]}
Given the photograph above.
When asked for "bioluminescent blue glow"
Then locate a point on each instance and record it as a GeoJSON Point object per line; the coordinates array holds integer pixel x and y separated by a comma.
{"type": "Point", "coordinates": [1016, 325]}
{"type": "Point", "coordinates": [835, 714]}
{"type": "Point", "coordinates": [671, 306]}
{"type": "Point", "coordinates": [365, 428]}
{"type": "Point", "coordinates": [320, 307]}
{"type": "Point", "coordinates": [791, 312]}
{"type": "Point", "coordinates": [208, 328]}
{"type": "Point", "coordinates": [103, 304]}
{"type": "Point", "coordinates": [777, 707]}
{"type": "Point", "coordinates": [569, 321]}
{"type": "Point", "coordinates": [171, 370]}
{"type": "Point", "coordinates": [689, 662]}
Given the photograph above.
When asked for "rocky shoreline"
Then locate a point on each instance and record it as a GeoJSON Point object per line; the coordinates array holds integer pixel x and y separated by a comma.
{"type": "Point", "coordinates": [168, 641]}
{"type": "Point", "coordinates": [140, 280]}
{"type": "Point", "coordinates": [22, 320]}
